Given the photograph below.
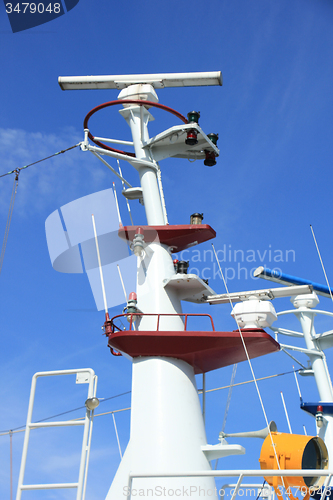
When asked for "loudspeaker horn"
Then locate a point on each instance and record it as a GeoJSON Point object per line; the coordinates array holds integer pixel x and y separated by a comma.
{"type": "Point", "coordinates": [263, 433]}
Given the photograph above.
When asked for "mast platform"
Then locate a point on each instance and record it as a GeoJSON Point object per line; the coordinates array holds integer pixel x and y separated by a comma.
{"type": "Point", "coordinates": [179, 237]}
{"type": "Point", "coordinates": [203, 350]}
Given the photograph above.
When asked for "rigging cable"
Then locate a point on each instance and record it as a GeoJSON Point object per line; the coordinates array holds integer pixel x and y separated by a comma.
{"type": "Point", "coordinates": [14, 191]}
{"type": "Point", "coordinates": [233, 375]}
{"type": "Point", "coordinates": [39, 161]}
{"type": "Point", "coordinates": [22, 427]}
{"type": "Point", "coordinates": [9, 218]}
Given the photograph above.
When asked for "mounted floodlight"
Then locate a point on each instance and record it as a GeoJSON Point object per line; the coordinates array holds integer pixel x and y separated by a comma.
{"type": "Point", "coordinates": [266, 294]}
{"type": "Point", "coordinates": [286, 279]}
{"type": "Point", "coordinates": [158, 81]}
{"type": "Point", "coordinates": [294, 451]}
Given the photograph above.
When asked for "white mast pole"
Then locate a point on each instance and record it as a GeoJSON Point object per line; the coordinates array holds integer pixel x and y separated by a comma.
{"type": "Point", "coordinates": [167, 428]}
{"type": "Point", "coordinates": [305, 314]}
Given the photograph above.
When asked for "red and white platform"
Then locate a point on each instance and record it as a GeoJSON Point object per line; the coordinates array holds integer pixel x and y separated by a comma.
{"type": "Point", "coordinates": [178, 237]}
{"type": "Point", "coordinates": [204, 350]}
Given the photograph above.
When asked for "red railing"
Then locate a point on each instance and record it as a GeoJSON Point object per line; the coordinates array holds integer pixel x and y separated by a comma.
{"type": "Point", "coordinates": [129, 317]}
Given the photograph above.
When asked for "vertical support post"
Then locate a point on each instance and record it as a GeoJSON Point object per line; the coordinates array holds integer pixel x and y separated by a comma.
{"type": "Point", "coordinates": [26, 437]}
{"type": "Point", "coordinates": [166, 409]}
{"type": "Point", "coordinates": [204, 397]}
{"type": "Point", "coordinates": [305, 314]}
{"type": "Point", "coordinates": [11, 463]}
{"type": "Point", "coordinates": [318, 359]}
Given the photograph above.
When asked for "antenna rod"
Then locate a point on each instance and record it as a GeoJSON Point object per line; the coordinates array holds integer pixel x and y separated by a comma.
{"type": "Point", "coordinates": [299, 390]}
{"type": "Point", "coordinates": [322, 263]}
{"type": "Point", "coordinates": [122, 282]}
{"type": "Point", "coordinates": [124, 289]}
{"type": "Point", "coordinates": [128, 205]}
{"type": "Point", "coordinates": [285, 410]}
{"type": "Point", "coordinates": [117, 205]}
{"type": "Point", "coordinates": [100, 265]}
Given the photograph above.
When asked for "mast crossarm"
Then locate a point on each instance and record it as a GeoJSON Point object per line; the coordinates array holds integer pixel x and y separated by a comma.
{"type": "Point", "coordinates": [112, 170]}
{"type": "Point", "coordinates": [309, 352]}
{"type": "Point", "coordinates": [135, 162]}
{"type": "Point", "coordinates": [285, 331]}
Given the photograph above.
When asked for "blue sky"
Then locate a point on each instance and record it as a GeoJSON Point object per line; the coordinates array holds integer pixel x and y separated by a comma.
{"type": "Point", "coordinates": [272, 180]}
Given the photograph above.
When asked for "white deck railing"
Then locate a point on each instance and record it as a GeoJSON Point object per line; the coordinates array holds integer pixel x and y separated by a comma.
{"type": "Point", "coordinates": [241, 474]}
{"type": "Point", "coordinates": [87, 422]}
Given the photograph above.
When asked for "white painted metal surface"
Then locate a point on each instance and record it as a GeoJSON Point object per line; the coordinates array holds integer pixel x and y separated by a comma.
{"type": "Point", "coordinates": [171, 143]}
{"type": "Point", "coordinates": [84, 375]}
{"type": "Point", "coordinates": [167, 427]}
{"type": "Point", "coordinates": [189, 287]}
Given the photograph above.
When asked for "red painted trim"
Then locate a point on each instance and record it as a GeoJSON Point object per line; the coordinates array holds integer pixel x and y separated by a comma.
{"type": "Point", "coordinates": [179, 237]}
{"type": "Point", "coordinates": [126, 101]}
{"type": "Point", "coordinates": [205, 351]}
{"type": "Point", "coordinates": [114, 327]}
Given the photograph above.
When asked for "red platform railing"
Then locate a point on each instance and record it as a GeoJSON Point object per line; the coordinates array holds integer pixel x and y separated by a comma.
{"type": "Point", "coordinates": [129, 317]}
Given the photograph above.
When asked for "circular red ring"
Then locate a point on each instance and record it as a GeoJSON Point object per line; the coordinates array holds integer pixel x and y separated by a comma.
{"type": "Point", "coordinates": [126, 101]}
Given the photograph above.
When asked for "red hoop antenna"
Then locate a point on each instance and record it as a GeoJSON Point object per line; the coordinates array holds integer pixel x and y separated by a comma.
{"type": "Point", "coordinates": [126, 101]}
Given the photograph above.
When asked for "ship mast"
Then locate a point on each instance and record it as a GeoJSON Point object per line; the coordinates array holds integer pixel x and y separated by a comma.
{"type": "Point", "coordinates": [167, 435]}
{"type": "Point", "coordinates": [167, 429]}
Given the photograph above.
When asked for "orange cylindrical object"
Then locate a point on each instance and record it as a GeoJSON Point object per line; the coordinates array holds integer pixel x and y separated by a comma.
{"type": "Point", "coordinates": [294, 451]}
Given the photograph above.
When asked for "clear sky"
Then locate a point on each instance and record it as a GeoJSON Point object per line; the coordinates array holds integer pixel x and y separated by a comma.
{"type": "Point", "coordinates": [272, 180]}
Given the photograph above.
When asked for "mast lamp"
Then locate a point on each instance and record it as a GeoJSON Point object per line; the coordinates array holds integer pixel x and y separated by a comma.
{"type": "Point", "coordinates": [213, 138]}
{"type": "Point", "coordinates": [319, 417]}
{"type": "Point", "coordinates": [158, 80]}
{"type": "Point", "coordinates": [191, 138]}
{"type": "Point", "coordinates": [209, 159]}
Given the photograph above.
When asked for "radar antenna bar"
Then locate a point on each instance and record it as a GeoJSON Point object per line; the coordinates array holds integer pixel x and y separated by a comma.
{"type": "Point", "coordinates": [158, 80]}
